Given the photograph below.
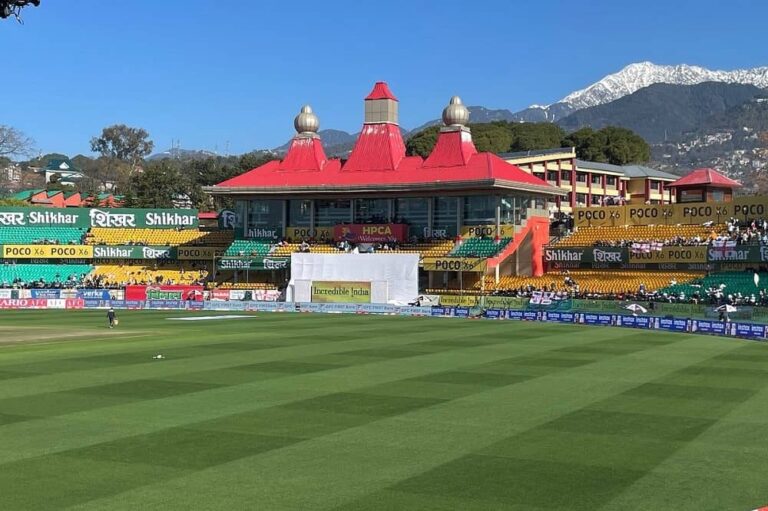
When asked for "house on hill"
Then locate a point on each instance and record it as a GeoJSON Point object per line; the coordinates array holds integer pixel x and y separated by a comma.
{"type": "Point", "coordinates": [68, 172]}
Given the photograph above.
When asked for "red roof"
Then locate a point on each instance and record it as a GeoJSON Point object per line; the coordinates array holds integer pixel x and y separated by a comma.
{"type": "Point", "coordinates": [378, 162]}
{"type": "Point", "coordinates": [381, 91]}
{"type": "Point", "coordinates": [305, 153]}
{"type": "Point", "coordinates": [705, 177]}
{"type": "Point", "coordinates": [379, 147]}
{"type": "Point", "coordinates": [452, 162]}
{"type": "Point", "coordinates": [452, 148]}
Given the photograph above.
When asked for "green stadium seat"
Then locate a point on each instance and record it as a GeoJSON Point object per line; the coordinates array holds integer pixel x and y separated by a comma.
{"type": "Point", "coordinates": [35, 272]}
{"type": "Point", "coordinates": [479, 247]}
{"type": "Point", "coordinates": [250, 248]}
{"type": "Point", "coordinates": [37, 235]}
{"type": "Point", "coordinates": [735, 282]}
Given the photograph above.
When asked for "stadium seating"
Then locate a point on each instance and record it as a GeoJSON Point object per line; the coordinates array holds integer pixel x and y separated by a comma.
{"type": "Point", "coordinates": [595, 281]}
{"type": "Point", "coordinates": [169, 237]}
{"type": "Point", "coordinates": [48, 272]}
{"type": "Point", "coordinates": [587, 236]}
{"type": "Point", "coordinates": [37, 235]}
{"type": "Point", "coordinates": [434, 249]}
{"type": "Point", "coordinates": [479, 247]}
{"type": "Point", "coordinates": [166, 272]}
{"type": "Point", "coordinates": [735, 282]}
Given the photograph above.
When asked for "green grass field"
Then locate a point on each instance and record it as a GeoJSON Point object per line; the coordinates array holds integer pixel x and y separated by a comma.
{"type": "Point", "coordinates": [301, 411]}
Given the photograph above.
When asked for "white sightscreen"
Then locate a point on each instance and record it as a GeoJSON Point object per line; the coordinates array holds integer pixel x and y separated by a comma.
{"type": "Point", "coordinates": [400, 272]}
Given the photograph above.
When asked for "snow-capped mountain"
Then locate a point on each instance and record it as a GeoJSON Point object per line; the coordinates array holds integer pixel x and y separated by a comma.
{"type": "Point", "coordinates": [642, 74]}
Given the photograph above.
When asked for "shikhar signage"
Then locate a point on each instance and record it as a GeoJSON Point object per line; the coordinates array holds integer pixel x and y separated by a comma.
{"type": "Point", "coordinates": [98, 217]}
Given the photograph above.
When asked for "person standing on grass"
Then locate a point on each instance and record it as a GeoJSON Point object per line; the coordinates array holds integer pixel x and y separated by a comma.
{"type": "Point", "coordinates": [112, 317]}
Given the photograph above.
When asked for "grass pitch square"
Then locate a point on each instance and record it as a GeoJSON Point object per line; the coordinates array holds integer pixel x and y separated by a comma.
{"type": "Point", "coordinates": [55, 482]}
{"type": "Point", "coordinates": [664, 427]}
{"type": "Point", "coordinates": [474, 378]}
{"type": "Point", "coordinates": [9, 375]}
{"type": "Point", "coordinates": [148, 389]}
{"type": "Point", "coordinates": [533, 483]}
{"type": "Point", "coordinates": [287, 367]}
{"type": "Point", "coordinates": [10, 419]}
{"type": "Point", "coordinates": [348, 412]}
{"type": "Point", "coordinates": [691, 392]}
{"type": "Point", "coordinates": [551, 445]}
{"type": "Point", "coordinates": [182, 448]}
{"type": "Point", "coordinates": [364, 404]}
{"type": "Point", "coordinates": [284, 421]}
{"type": "Point", "coordinates": [58, 403]}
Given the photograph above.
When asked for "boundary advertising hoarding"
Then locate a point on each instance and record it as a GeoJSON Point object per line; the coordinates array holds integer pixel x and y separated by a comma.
{"type": "Point", "coordinates": [164, 292]}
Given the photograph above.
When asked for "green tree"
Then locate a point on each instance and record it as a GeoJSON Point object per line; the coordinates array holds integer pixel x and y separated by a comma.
{"type": "Point", "coordinates": [422, 143]}
{"type": "Point", "coordinates": [158, 186]}
{"type": "Point", "coordinates": [123, 149]}
{"type": "Point", "coordinates": [611, 144]}
{"type": "Point", "coordinates": [123, 143]}
{"type": "Point", "coordinates": [493, 137]}
{"type": "Point", "coordinates": [532, 136]}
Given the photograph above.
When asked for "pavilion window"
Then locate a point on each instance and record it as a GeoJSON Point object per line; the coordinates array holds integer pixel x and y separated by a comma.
{"type": "Point", "coordinates": [445, 213]}
{"type": "Point", "coordinates": [330, 212]}
{"type": "Point", "coordinates": [372, 211]}
{"type": "Point", "coordinates": [300, 213]}
{"type": "Point", "coordinates": [480, 210]}
{"type": "Point", "coordinates": [414, 212]}
{"type": "Point", "coordinates": [265, 214]}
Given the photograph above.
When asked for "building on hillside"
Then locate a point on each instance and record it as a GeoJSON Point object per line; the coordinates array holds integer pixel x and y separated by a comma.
{"type": "Point", "coordinates": [11, 174]}
{"type": "Point", "coordinates": [454, 192]}
{"type": "Point", "coordinates": [593, 184]}
{"type": "Point", "coordinates": [67, 172]}
{"type": "Point", "coordinates": [704, 185]}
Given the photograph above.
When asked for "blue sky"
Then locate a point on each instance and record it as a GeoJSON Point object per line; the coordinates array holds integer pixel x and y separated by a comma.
{"type": "Point", "coordinates": [212, 72]}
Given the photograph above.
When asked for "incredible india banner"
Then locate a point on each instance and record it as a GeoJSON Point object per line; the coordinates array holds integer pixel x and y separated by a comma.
{"type": "Point", "coordinates": [331, 291]}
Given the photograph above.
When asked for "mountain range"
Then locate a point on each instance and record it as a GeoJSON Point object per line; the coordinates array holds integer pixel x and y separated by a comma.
{"type": "Point", "coordinates": [664, 104]}
{"type": "Point", "coordinates": [663, 112]}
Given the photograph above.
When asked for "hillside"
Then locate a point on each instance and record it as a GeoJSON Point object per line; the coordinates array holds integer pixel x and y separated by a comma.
{"type": "Point", "coordinates": [735, 141]}
{"type": "Point", "coordinates": [662, 112]}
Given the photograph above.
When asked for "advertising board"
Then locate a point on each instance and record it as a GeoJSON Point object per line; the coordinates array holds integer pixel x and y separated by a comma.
{"type": "Point", "coordinates": [340, 292]}
{"type": "Point", "coordinates": [370, 233]}
{"type": "Point", "coordinates": [468, 264]}
{"type": "Point", "coordinates": [98, 217]}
